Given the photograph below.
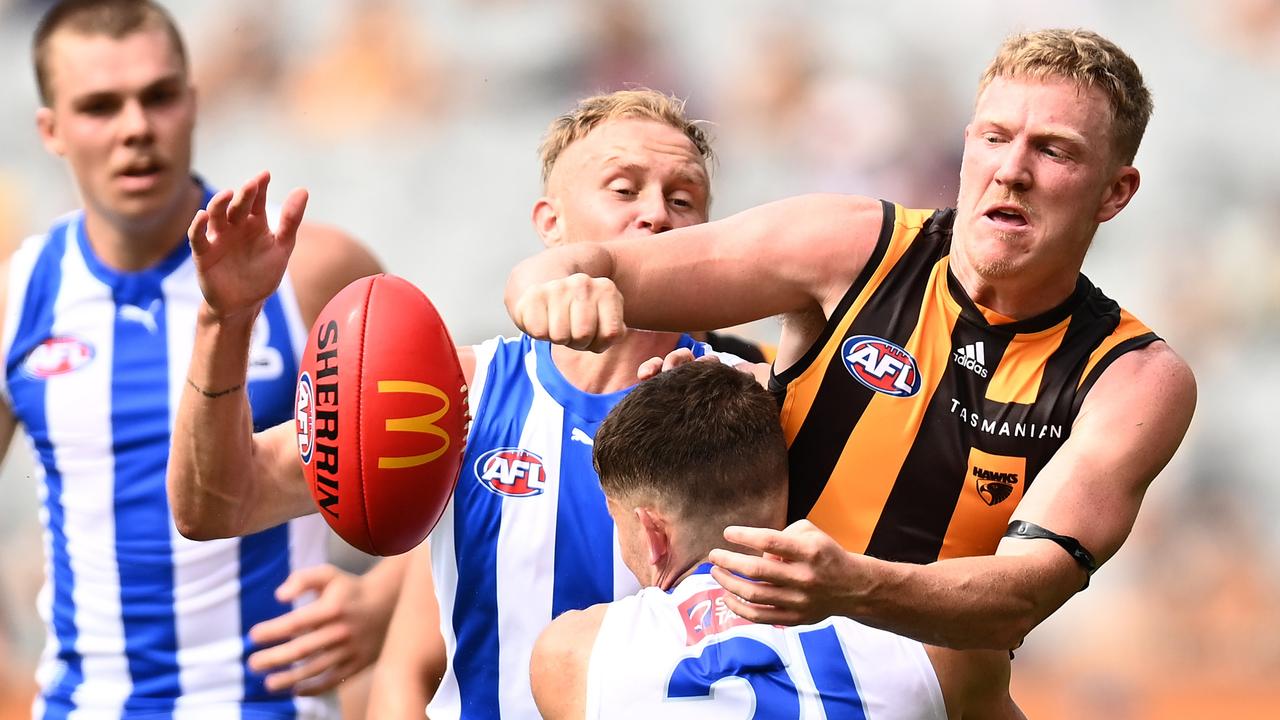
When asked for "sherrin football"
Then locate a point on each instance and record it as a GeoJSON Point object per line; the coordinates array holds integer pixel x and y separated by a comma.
{"type": "Point", "coordinates": [381, 414]}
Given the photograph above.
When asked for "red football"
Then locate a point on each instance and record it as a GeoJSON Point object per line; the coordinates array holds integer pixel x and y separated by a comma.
{"type": "Point", "coordinates": [381, 414]}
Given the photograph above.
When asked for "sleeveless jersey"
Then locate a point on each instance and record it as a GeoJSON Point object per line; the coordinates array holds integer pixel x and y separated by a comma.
{"type": "Point", "coordinates": [917, 420]}
{"type": "Point", "coordinates": [684, 654]}
{"type": "Point", "coordinates": [141, 622]}
{"type": "Point", "coordinates": [527, 534]}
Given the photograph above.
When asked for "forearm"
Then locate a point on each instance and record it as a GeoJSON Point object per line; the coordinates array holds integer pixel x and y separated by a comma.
{"type": "Point", "coordinates": [988, 602]}
{"type": "Point", "coordinates": [381, 585]}
{"type": "Point", "coordinates": [212, 475]}
{"type": "Point", "coordinates": [412, 661]}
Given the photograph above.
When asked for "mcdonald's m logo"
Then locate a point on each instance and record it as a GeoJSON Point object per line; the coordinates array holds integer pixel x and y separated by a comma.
{"type": "Point", "coordinates": [425, 424]}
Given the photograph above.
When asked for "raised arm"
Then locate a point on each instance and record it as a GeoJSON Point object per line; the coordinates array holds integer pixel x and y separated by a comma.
{"type": "Point", "coordinates": [1129, 426]}
{"type": "Point", "coordinates": [224, 480]}
{"type": "Point", "coordinates": [794, 255]}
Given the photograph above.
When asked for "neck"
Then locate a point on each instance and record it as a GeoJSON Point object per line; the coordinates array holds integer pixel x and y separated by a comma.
{"type": "Point", "coordinates": [132, 244]}
{"type": "Point", "coordinates": [1018, 295]}
{"type": "Point", "coordinates": [615, 368]}
{"type": "Point", "coordinates": [677, 570]}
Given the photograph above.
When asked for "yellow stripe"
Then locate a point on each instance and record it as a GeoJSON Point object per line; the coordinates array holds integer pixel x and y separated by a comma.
{"type": "Point", "coordinates": [802, 390]}
{"type": "Point", "coordinates": [1129, 327]}
{"type": "Point", "coordinates": [873, 455]}
{"type": "Point", "coordinates": [1021, 369]}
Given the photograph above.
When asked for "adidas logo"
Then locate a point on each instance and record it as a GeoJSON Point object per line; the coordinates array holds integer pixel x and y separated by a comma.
{"type": "Point", "coordinates": [972, 357]}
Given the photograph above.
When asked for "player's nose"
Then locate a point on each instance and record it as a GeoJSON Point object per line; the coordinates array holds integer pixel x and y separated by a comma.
{"type": "Point", "coordinates": [135, 124]}
{"type": "Point", "coordinates": [1014, 170]}
{"type": "Point", "coordinates": [654, 214]}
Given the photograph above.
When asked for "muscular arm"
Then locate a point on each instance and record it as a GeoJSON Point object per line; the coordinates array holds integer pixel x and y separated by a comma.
{"type": "Point", "coordinates": [794, 255]}
{"type": "Point", "coordinates": [558, 667]}
{"type": "Point", "coordinates": [1129, 427]}
{"type": "Point", "coordinates": [223, 480]}
{"type": "Point", "coordinates": [412, 662]}
{"type": "Point", "coordinates": [975, 683]}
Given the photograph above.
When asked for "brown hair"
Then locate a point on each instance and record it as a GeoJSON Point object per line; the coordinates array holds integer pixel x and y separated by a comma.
{"type": "Point", "coordinates": [1089, 60]}
{"type": "Point", "coordinates": [113, 18]}
{"type": "Point", "coordinates": [595, 110]}
{"type": "Point", "coordinates": [702, 439]}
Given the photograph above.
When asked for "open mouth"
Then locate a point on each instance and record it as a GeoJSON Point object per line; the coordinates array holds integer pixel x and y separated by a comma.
{"type": "Point", "coordinates": [1007, 216]}
{"type": "Point", "coordinates": [141, 169]}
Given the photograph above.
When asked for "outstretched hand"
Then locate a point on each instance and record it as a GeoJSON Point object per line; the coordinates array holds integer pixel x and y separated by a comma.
{"type": "Point", "coordinates": [239, 259]}
{"type": "Point", "coordinates": [315, 647]}
{"type": "Point", "coordinates": [803, 576]}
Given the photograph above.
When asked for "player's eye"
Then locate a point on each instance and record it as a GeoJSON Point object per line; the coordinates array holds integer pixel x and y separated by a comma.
{"type": "Point", "coordinates": [161, 96]}
{"type": "Point", "coordinates": [99, 107]}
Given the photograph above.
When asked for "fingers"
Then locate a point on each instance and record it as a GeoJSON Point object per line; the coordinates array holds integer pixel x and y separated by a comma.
{"type": "Point", "coordinates": [777, 542]}
{"type": "Point", "coordinates": [580, 312]}
{"type": "Point", "coordinates": [217, 212]}
{"type": "Point", "coordinates": [314, 578]}
{"type": "Point", "coordinates": [314, 675]}
{"type": "Point", "coordinates": [300, 647]}
{"type": "Point", "coordinates": [294, 623]}
{"type": "Point", "coordinates": [649, 368]}
{"type": "Point", "coordinates": [291, 217]}
{"type": "Point", "coordinates": [196, 234]}
{"type": "Point", "coordinates": [676, 358]}
{"type": "Point", "coordinates": [764, 614]}
{"type": "Point", "coordinates": [260, 199]}
{"type": "Point", "coordinates": [243, 200]}
{"type": "Point", "coordinates": [762, 602]}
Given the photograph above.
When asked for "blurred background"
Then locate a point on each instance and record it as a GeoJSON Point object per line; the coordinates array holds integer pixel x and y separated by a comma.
{"type": "Point", "coordinates": [415, 125]}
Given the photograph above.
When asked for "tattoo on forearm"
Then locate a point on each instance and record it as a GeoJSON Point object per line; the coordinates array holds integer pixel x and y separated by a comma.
{"type": "Point", "coordinates": [213, 394]}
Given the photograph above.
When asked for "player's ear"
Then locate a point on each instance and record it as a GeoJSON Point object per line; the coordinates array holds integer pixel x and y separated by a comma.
{"type": "Point", "coordinates": [656, 538]}
{"type": "Point", "coordinates": [1119, 192]}
{"type": "Point", "coordinates": [47, 125]}
{"type": "Point", "coordinates": [546, 220]}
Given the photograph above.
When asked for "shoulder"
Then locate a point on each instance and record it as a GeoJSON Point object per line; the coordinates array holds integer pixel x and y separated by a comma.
{"type": "Point", "coordinates": [1152, 378]}
{"type": "Point", "coordinates": [570, 636]}
{"type": "Point", "coordinates": [325, 260]}
{"type": "Point", "coordinates": [561, 656]}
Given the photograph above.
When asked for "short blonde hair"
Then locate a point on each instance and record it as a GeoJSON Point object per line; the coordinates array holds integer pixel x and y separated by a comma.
{"type": "Point", "coordinates": [1089, 60]}
{"type": "Point", "coordinates": [594, 111]}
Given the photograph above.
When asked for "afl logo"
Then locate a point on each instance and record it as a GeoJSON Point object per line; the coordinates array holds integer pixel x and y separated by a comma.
{"type": "Point", "coordinates": [304, 407]}
{"type": "Point", "coordinates": [881, 365]}
{"type": "Point", "coordinates": [511, 472]}
{"type": "Point", "coordinates": [57, 356]}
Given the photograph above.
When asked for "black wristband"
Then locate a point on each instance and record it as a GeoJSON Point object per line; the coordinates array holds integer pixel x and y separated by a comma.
{"type": "Point", "coordinates": [1031, 531]}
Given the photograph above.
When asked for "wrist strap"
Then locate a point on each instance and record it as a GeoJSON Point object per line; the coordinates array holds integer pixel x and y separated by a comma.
{"type": "Point", "coordinates": [1030, 531]}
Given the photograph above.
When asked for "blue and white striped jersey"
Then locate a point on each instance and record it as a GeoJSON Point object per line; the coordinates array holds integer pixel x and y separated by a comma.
{"type": "Point", "coordinates": [527, 534]}
{"type": "Point", "coordinates": [141, 622]}
{"type": "Point", "coordinates": [685, 654]}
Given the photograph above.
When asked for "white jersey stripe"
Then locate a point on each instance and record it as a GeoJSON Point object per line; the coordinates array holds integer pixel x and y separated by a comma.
{"type": "Point", "coordinates": [527, 533]}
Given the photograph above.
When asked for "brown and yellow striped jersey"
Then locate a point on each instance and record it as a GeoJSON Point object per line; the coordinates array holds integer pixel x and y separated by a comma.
{"type": "Point", "coordinates": [918, 419]}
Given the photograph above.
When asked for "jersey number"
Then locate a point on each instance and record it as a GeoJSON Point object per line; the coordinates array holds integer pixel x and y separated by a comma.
{"type": "Point", "coordinates": [761, 666]}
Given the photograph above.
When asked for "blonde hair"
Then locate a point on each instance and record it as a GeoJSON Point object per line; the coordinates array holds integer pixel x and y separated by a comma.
{"type": "Point", "coordinates": [596, 110]}
{"type": "Point", "coordinates": [1089, 60]}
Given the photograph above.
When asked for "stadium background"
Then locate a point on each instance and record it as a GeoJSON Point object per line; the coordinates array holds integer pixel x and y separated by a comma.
{"type": "Point", "coordinates": [415, 126]}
